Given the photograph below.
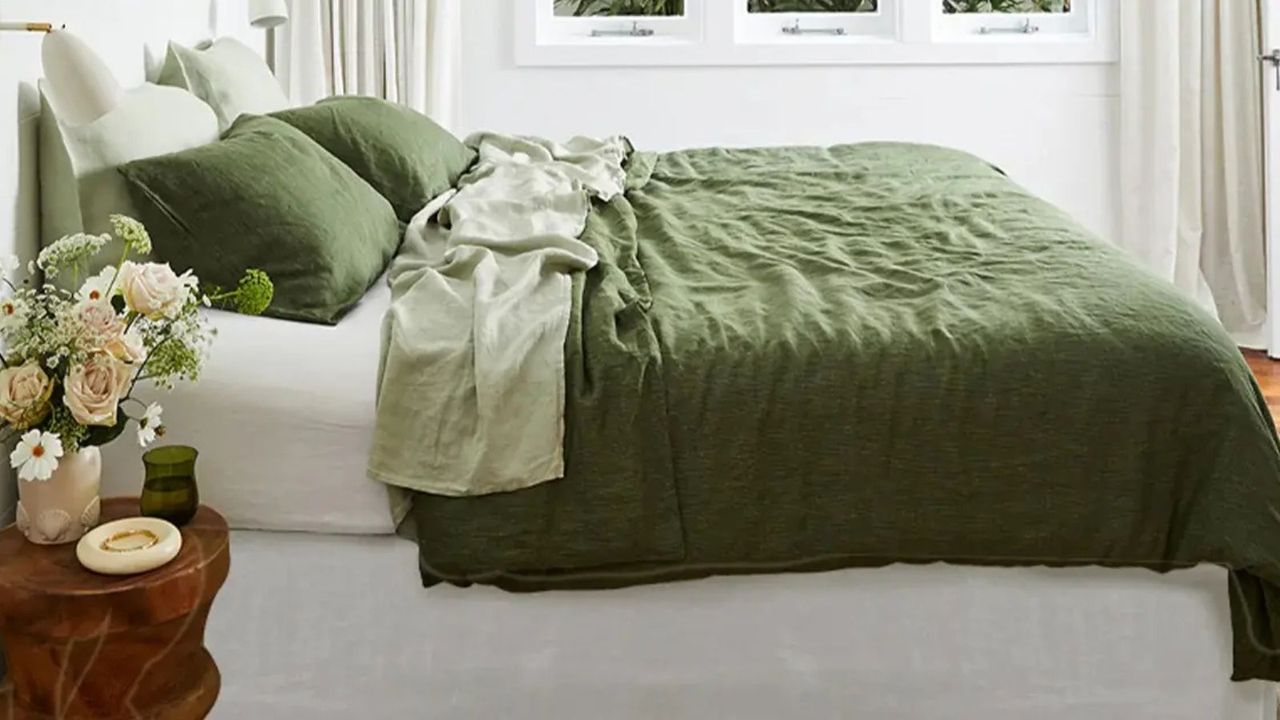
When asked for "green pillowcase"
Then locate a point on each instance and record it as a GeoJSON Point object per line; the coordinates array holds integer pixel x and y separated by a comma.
{"type": "Point", "coordinates": [403, 154]}
{"type": "Point", "coordinates": [266, 196]}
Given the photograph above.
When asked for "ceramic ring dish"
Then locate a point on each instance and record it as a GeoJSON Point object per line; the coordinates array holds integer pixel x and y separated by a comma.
{"type": "Point", "coordinates": [129, 546]}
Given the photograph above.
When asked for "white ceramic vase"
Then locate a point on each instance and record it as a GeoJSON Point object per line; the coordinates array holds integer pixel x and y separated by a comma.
{"type": "Point", "coordinates": [66, 506]}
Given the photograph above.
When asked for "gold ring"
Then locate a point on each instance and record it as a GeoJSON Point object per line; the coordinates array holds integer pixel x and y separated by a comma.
{"type": "Point", "coordinates": [150, 539]}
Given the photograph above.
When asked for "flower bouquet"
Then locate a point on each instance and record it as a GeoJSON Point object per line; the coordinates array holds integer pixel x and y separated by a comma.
{"type": "Point", "coordinates": [72, 359]}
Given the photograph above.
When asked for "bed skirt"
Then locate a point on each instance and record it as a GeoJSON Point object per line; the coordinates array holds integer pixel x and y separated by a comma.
{"type": "Point", "coordinates": [297, 634]}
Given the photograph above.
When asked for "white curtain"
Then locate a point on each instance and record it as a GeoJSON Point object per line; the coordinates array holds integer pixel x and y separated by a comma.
{"type": "Point", "coordinates": [1191, 151]}
{"type": "Point", "coordinates": [406, 51]}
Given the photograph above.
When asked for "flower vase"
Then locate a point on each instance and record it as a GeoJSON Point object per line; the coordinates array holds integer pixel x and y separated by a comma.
{"type": "Point", "coordinates": [66, 506]}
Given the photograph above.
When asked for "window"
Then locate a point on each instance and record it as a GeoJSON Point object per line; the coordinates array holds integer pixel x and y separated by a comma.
{"type": "Point", "coordinates": [649, 22]}
{"type": "Point", "coordinates": [1012, 20]}
{"type": "Point", "coordinates": [1006, 6]}
{"type": "Point", "coordinates": [763, 21]}
{"type": "Point", "coordinates": [619, 8]}
{"type": "Point", "coordinates": [791, 32]}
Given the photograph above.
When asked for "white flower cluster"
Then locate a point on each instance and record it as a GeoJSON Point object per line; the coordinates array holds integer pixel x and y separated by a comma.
{"type": "Point", "coordinates": [72, 360]}
{"type": "Point", "coordinates": [133, 233]}
{"type": "Point", "coordinates": [70, 251]}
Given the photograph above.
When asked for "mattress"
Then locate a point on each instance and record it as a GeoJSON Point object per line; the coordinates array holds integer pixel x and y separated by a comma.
{"type": "Point", "coordinates": [297, 634]}
{"type": "Point", "coordinates": [283, 419]}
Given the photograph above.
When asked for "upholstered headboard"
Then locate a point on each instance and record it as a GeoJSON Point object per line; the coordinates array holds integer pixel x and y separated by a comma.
{"type": "Point", "coordinates": [130, 35]}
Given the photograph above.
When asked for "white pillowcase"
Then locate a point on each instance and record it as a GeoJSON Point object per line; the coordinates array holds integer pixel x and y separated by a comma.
{"type": "Point", "coordinates": [79, 183]}
{"type": "Point", "coordinates": [228, 75]}
{"type": "Point", "coordinates": [89, 126]}
{"type": "Point", "coordinates": [79, 86]}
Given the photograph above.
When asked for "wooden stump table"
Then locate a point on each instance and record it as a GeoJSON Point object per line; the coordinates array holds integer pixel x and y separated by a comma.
{"type": "Point", "coordinates": [81, 645]}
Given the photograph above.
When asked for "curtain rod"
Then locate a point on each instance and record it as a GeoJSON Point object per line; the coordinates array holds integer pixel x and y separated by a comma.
{"type": "Point", "coordinates": [43, 27]}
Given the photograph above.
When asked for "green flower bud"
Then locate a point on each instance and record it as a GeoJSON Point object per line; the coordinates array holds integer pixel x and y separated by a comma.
{"type": "Point", "coordinates": [254, 293]}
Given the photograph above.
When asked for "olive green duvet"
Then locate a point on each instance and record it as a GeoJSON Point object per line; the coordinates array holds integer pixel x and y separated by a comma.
{"type": "Point", "coordinates": [802, 358]}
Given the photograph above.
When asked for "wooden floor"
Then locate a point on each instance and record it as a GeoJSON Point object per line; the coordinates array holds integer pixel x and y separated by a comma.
{"type": "Point", "coordinates": [1268, 373]}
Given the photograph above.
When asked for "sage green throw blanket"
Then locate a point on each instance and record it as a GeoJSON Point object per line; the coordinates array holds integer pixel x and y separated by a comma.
{"type": "Point", "coordinates": [472, 384]}
{"type": "Point", "coordinates": [803, 358]}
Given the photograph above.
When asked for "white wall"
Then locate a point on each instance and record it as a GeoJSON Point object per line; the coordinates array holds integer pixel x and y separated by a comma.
{"type": "Point", "coordinates": [1052, 128]}
{"type": "Point", "coordinates": [123, 32]}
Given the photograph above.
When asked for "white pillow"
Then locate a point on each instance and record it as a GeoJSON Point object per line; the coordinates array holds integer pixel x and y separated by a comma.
{"type": "Point", "coordinates": [228, 75]}
{"type": "Point", "coordinates": [79, 86]}
{"type": "Point", "coordinates": [79, 183]}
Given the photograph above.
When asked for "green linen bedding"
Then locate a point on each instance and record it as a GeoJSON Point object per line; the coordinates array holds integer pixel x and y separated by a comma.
{"type": "Point", "coordinates": [267, 196]}
{"type": "Point", "coordinates": [402, 154]}
{"type": "Point", "coordinates": [803, 358]}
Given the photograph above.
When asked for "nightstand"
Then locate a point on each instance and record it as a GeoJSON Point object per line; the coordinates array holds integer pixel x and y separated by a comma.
{"type": "Point", "coordinates": [82, 645]}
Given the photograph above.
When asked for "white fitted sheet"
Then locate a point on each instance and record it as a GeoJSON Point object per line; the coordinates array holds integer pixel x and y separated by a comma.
{"type": "Point", "coordinates": [283, 418]}
{"type": "Point", "coordinates": [338, 627]}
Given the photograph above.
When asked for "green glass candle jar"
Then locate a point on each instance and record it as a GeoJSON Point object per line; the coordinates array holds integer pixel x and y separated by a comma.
{"type": "Point", "coordinates": [170, 491]}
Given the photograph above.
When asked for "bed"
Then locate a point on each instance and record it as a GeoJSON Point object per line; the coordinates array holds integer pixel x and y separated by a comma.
{"type": "Point", "coordinates": [901, 641]}
{"type": "Point", "coordinates": [296, 631]}
{"type": "Point", "coordinates": [796, 359]}
{"type": "Point", "coordinates": [324, 616]}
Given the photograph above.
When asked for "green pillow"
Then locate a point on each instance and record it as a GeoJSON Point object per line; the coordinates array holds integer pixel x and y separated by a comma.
{"type": "Point", "coordinates": [267, 197]}
{"type": "Point", "coordinates": [403, 154]}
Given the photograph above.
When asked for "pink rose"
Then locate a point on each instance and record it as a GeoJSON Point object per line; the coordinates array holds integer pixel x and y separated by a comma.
{"type": "Point", "coordinates": [126, 347]}
{"type": "Point", "coordinates": [93, 389]}
{"type": "Point", "coordinates": [152, 289]}
{"type": "Point", "coordinates": [100, 320]}
{"type": "Point", "coordinates": [24, 395]}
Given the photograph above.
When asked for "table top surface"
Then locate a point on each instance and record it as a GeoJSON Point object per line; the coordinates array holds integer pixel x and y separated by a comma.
{"type": "Point", "coordinates": [54, 570]}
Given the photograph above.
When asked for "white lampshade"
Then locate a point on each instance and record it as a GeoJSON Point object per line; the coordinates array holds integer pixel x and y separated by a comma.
{"type": "Point", "coordinates": [268, 13]}
{"type": "Point", "coordinates": [80, 86]}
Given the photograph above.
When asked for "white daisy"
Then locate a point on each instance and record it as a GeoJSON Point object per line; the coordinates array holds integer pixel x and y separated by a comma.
{"type": "Point", "coordinates": [13, 313]}
{"type": "Point", "coordinates": [98, 287]}
{"type": "Point", "coordinates": [149, 424]}
{"type": "Point", "coordinates": [9, 264]}
{"type": "Point", "coordinates": [190, 286]}
{"type": "Point", "coordinates": [36, 456]}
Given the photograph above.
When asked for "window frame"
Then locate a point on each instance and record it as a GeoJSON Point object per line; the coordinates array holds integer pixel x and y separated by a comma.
{"type": "Point", "coordinates": [716, 36]}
